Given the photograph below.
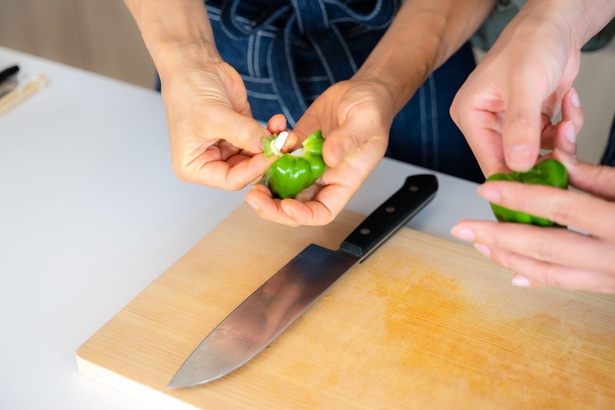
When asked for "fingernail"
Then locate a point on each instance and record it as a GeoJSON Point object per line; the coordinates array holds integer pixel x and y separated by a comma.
{"type": "Point", "coordinates": [483, 249]}
{"type": "Point", "coordinates": [489, 194]}
{"type": "Point", "coordinates": [570, 132]}
{"type": "Point", "coordinates": [521, 281]}
{"type": "Point", "coordinates": [464, 234]}
{"type": "Point", "coordinates": [574, 97]}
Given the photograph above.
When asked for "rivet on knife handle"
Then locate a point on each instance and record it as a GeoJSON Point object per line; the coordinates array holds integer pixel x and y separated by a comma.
{"type": "Point", "coordinates": [417, 191]}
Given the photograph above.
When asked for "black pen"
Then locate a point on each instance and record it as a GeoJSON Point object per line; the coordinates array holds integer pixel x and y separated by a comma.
{"type": "Point", "coordinates": [8, 72]}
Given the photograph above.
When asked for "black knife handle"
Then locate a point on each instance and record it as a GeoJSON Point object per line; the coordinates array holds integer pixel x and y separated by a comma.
{"type": "Point", "coordinates": [395, 212]}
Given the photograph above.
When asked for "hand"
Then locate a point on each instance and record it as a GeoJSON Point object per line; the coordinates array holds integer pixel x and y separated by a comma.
{"type": "Point", "coordinates": [355, 118]}
{"type": "Point", "coordinates": [580, 259]}
{"type": "Point", "coordinates": [553, 257]}
{"type": "Point", "coordinates": [506, 106]}
{"type": "Point", "coordinates": [214, 139]}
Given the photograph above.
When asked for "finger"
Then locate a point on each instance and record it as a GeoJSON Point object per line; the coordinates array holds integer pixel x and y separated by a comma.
{"type": "Point", "coordinates": [544, 274]}
{"type": "Point", "coordinates": [565, 132]}
{"type": "Point", "coordinates": [564, 138]}
{"type": "Point", "coordinates": [277, 124]}
{"type": "Point", "coordinates": [233, 174]}
{"type": "Point", "coordinates": [598, 180]}
{"type": "Point", "coordinates": [244, 131]}
{"type": "Point", "coordinates": [548, 133]}
{"type": "Point", "coordinates": [248, 135]}
{"type": "Point", "coordinates": [325, 205]}
{"type": "Point", "coordinates": [361, 135]}
{"type": "Point", "coordinates": [566, 207]}
{"type": "Point", "coordinates": [319, 210]}
{"type": "Point", "coordinates": [522, 125]}
{"type": "Point", "coordinates": [480, 119]}
{"type": "Point", "coordinates": [311, 213]}
{"type": "Point", "coordinates": [484, 135]}
{"type": "Point", "coordinates": [563, 135]}
{"type": "Point", "coordinates": [288, 211]}
{"type": "Point", "coordinates": [571, 109]}
{"type": "Point", "coordinates": [235, 88]}
{"type": "Point", "coordinates": [266, 207]}
{"type": "Point", "coordinates": [552, 245]}
{"type": "Point", "coordinates": [339, 144]}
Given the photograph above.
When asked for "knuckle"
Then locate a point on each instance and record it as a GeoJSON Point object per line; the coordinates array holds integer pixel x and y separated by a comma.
{"type": "Point", "coordinates": [539, 248]}
{"type": "Point", "coordinates": [181, 171]}
{"type": "Point", "coordinates": [550, 278]}
{"type": "Point", "coordinates": [560, 210]}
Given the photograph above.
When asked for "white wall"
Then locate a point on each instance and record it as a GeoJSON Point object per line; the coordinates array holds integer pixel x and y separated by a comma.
{"type": "Point", "coordinates": [96, 35]}
{"type": "Point", "coordinates": [596, 87]}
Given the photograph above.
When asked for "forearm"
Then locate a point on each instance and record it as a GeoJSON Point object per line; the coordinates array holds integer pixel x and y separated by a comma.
{"type": "Point", "coordinates": [424, 34]}
{"type": "Point", "coordinates": [174, 31]}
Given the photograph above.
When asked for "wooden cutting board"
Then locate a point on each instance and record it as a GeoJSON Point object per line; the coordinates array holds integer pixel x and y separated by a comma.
{"type": "Point", "coordinates": [423, 323]}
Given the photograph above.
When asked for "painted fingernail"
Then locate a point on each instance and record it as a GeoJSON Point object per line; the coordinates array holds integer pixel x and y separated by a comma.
{"type": "Point", "coordinates": [574, 97]}
{"type": "Point", "coordinates": [464, 234]}
{"type": "Point", "coordinates": [483, 249]}
{"type": "Point", "coordinates": [489, 194]}
{"type": "Point", "coordinates": [570, 132]}
{"type": "Point", "coordinates": [521, 281]}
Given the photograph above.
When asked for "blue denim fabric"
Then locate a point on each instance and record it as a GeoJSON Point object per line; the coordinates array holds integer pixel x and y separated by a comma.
{"type": "Point", "coordinates": [288, 52]}
{"type": "Point", "coordinates": [423, 132]}
{"type": "Point", "coordinates": [609, 154]}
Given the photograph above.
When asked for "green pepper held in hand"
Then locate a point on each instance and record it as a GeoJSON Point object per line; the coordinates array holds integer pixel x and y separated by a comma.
{"type": "Point", "coordinates": [548, 172]}
{"type": "Point", "coordinates": [295, 171]}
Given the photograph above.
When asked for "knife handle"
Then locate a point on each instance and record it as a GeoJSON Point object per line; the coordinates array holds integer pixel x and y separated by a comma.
{"type": "Point", "coordinates": [395, 212]}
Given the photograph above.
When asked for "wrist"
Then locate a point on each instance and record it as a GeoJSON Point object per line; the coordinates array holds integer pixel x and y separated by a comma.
{"type": "Point", "coordinates": [175, 33]}
{"type": "Point", "coordinates": [576, 20]}
{"type": "Point", "coordinates": [393, 86]}
{"type": "Point", "coordinates": [399, 68]}
{"type": "Point", "coordinates": [172, 56]}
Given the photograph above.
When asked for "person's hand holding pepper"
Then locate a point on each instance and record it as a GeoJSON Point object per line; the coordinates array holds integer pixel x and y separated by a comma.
{"type": "Point", "coordinates": [506, 106]}
{"type": "Point", "coordinates": [504, 111]}
{"type": "Point", "coordinates": [215, 141]}
{"type": "Point", "coordinates": [355, 115]}
{"type": "Point", "coordinates": [578, 259]}
{"type": "Point", "coordinates": [355, 141]}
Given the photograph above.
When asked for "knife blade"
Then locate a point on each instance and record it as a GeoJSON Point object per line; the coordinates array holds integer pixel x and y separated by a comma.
{"type": "Point", "coordinates": [267, 312]}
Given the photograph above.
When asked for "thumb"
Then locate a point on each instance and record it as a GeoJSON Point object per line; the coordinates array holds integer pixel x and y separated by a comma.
{"type": "Point", "coordinates": [522, 127]}
{"type": "Point", "coordinates": [598, 180]}
{"type": "Point", "coordinates": [338, 145]}
{"type": "Point", "coordinates": [246, 133]}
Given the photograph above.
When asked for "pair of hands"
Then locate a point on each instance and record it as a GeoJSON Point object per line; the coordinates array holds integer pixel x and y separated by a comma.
{"type": "Point", "coordinates": [505, 110]}
{"type": "Point", "coordinates": [215, 141]}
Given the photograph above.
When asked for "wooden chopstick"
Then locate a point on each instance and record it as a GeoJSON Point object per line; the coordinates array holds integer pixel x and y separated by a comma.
{"type": "Point", "coordinates": [22, 92]}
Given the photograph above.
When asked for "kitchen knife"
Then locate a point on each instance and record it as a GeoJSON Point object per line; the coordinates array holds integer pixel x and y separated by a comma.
{"type": "Point", "coordinates": [258, 320]}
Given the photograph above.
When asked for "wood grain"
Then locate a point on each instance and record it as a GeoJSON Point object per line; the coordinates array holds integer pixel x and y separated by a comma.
{"type": "Point", "coordinates": [21, 93]}
{"type": "Point", "coordinates": [423, 323]}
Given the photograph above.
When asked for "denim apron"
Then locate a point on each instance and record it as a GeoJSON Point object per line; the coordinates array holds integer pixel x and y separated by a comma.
{"type": "Point", "coordinates": [288, 52]}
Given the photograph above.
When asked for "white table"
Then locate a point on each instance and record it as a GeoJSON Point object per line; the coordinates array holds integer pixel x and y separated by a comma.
{"type": "Point", "coordinates": [91, 213]}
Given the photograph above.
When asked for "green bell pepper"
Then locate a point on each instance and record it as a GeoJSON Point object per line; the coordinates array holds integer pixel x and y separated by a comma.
{"type": "Point", "coordinates": [293, 172]}
{"type": "Point", "coordinates": [549, 172]}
